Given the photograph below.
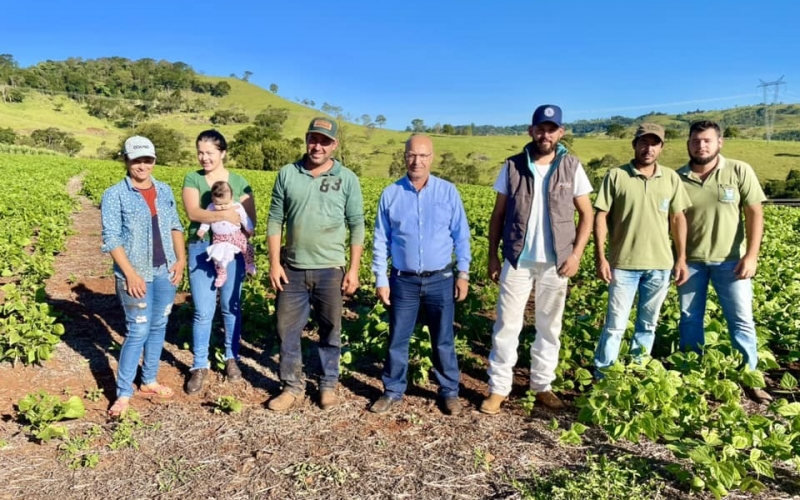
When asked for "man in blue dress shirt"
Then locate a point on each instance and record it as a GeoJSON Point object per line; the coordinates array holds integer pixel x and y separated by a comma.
{"type": "Point", "coordinates": [420, 223]}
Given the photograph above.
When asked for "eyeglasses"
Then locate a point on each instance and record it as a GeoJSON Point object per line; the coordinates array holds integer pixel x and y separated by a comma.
{"type": "Point", "coordinates": [414, 156]}
{"type": "Point", "coordinates": [148, 160]}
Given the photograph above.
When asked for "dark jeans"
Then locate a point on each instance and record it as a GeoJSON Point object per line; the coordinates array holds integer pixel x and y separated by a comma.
{"type": "Point", "coordinates": [307, 288]}
{"type": "Point", "coordinates": [435, 294]}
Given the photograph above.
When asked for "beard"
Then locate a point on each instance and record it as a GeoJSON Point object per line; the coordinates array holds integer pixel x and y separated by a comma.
{"type": "Point", "coordinates": [545, 147]}
{"type": "Point", "coordinates": [704, 160]}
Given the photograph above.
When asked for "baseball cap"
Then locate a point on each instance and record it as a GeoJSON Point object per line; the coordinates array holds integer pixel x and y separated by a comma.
{"type": "Point", "coordinates": [324, 126]}
{"type": "Point", "coordinates": [547, 113]}
{"type": "Point", "coordinates": [649, 128]}
{"type": "Point", "coordinates": [138, 146]}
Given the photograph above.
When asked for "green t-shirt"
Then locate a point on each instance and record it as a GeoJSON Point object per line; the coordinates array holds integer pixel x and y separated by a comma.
{"type": "Point", "coordinates": [715, 224]}
{"type": "Point", "coordinates": [197, 180]}
{"type": "Point", "coordinates": [317, 212]}
{"type": "Point", "coordinates": [638, 216]}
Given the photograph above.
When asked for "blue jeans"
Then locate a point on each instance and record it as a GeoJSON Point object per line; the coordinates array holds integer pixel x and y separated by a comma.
{"type": "Point", "coordinates": [652, 286]}
{"type": "Point", "coordinates": [406, 294]}
{"type": "Point", "coordinates": [307, 288]}
{"type": "Point", "coordinates": [146, 325]}
{"type": "Point", "coordinates": [204, 296]}
{"type": "Point", "coordinates": [735, 299]}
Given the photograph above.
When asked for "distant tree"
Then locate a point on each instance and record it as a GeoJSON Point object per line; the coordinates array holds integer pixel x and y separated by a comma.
{"type": "Point", "coordinates": [616, 130]}
{"type": "Point", "coordinates": [597, 167]}
{"type": "Point", "coordinates": [57, 140]}
{"type": "Point", "coordinates": [272, 118]}
{"type": "Point", "coordinates": [457, 172]}
{"type": "Point", "coordinates": [397, 167]}
{"type": "Point", "coordinates": [380, 120]}
{"type": "Point", "coordinates": [790, 188]}
{"type": "Point", "coordinates": [7, 135]}
{"type": "Point", "coordinates": [227, 116]}
{"type": "Point", "coordinates": [567, 140]}
{"type": "Point", "coordinates": [168, 142]}
{"type": "Point", "coordinates": [671, 134]}
{"type": "Point", "coordinates": [273, 87]}
{"type": "Point", "coordinates": [366, 120]}
{"type": "Point", "coordinates": [448, 129]}
{"type": "Point", "coordinates": [417, 125]}
{"type": "Point", "coordinates": [731, 132]}
{"type": "Point", "coordinates": [221, 89]}
{"type": "Point", "coordinates": [246, 76]}
{"type": "Point", "coordinates": [279, 152]}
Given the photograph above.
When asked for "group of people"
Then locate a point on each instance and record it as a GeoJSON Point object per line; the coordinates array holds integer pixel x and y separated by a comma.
{"type": "Point", "coordinates": [659, 223]}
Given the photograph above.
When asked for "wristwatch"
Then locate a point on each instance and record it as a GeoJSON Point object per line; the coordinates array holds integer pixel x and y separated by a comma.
{"type": "Point", "coordinates": [463, 275]}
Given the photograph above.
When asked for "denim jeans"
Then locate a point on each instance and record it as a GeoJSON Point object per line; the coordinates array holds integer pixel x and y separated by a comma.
{"type": "Point", "coordinates": [652, 286]}
{"type": "Point", "coordinates": [735, 299]}
{"type": "Point", "coordinates": [204, 296]}
{"type": "Point", "coordinates": [320, 289]}
{"type": "Point", "coordinates": [146, 325]}
{"type": "Point", "coordinates": [406, 294]}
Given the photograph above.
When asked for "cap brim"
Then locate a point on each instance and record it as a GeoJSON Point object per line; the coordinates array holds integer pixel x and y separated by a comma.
{"type": "Point", "coordinates": [326, 134]}
{"type": "Point", "coordinates": [133, 156]}
{"type": "Point", "coordinates": [547, 121]}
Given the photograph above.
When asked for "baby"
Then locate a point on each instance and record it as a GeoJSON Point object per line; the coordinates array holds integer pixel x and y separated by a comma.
{"type": "Point", "coordinates": [228, 239]}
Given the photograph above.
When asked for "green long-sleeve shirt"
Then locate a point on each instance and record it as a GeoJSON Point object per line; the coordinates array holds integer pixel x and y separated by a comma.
{"type": "Point", "coordinates": [317, 212]}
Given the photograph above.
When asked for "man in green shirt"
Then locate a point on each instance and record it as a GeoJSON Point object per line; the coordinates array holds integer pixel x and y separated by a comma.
{"type": "Point", "coordinates": [318, 200]}
{"type": "Point", "coordinates": [638, 205]}
{"type": "Point", "coordinates": [721, 247]}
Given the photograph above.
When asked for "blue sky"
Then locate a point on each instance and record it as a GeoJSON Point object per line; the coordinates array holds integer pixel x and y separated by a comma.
{"type": "Point", "coordinates": [445, 61]}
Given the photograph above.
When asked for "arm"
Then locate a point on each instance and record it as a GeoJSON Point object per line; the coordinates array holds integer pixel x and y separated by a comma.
{"type": "Point", "coordinates": [754, 230]}
{"type": "Point", "coordinates": [381, 251]}
{"type": "Point", "coordinates": [459, 230]}
{"type": "Point", "coordinates": [249, 203]}
{"type": "Point", "coordinates": [600, 234]}
{"type": "Point", "coordinates": [246, 223]}
{"type": "Point", "coordinates": [354, 216]}
{"type": "Point", "coordinates": [134, 284]}
{"type": "Point", "coordinates": [180, 254]}
{"type": "Point", "coordinates": [191, 203]}
{"type": "Point", "coordinates": [274, 233]}
{"type": "Point", "coordinates": [584, 207]}
{"type": "Point", "coordinates": [678, 228]}
{"type": "Point", "coordinates": [495, 234]}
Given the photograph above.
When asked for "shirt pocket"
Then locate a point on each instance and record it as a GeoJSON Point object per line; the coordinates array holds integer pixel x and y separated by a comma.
{"type": "Point", "coordinates": [727, 193]}
{"type": "Point", "coordinates": [442, 215]}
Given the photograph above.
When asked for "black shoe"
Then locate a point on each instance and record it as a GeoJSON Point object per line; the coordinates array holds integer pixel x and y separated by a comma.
{"type": "Point", "coordinates": [232, 370]}
{"type": "Point", "coordinates": [196, 380]}
{"type": "Point", "coordinates": [451, 406]}
{"type": "Point", "coordinates": [383, 404]}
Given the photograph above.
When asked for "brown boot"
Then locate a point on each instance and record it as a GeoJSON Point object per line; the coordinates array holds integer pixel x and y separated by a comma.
{"type": "Point", "coordinates": [232, 371]}
{"type": "Point", "coordinates": [196, 379]}
{"type": "Point", "coordinates": [550, 400]}
{"type": "Point", "coordinates": [284, 401]}
{"type": "Point", "coordinates": [491, 405]}
{"type": "Point", "coordinates": [327, 398]}
{"type": "Point", "coordinates": [755, 395]}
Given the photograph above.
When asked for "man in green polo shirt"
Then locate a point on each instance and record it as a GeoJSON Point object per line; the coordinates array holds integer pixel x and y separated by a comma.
{"type": "Point", "coordinates": [721, 247]}
{"type": "Point", "coordinates": [318, 200]}
{"type": "Point", "coordinates": [638, 205]}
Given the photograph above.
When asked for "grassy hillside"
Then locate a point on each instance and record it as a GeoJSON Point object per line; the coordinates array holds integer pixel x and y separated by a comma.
{"type": "Point", "coordinates": [375, 147]}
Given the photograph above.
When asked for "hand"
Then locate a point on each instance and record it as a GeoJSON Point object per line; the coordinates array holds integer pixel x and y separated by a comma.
{"type": "Point", "coordinates": [201, 233]}
{"type": "Point", "coordinates": [350, 282]}
{"type": "Point", "coordinates": [681, 272]}
{"type": "Point", "coordinates": [604, 270]}
{"type": "Point", "coordinates": [135, 286]}
{"type": "Point", "coordinates": [383, 294]}
{"type": "Point", "coordinates": [569, 268]}
{"type": "Point", "coordinates": [746, 268]}
{"type": "Point", "coordinates": [277, 276]}
{"type": "Point", "coordinates": [462, 288]}
{"type": "Point", "coordinates": [494, 268]}
{"type": "Point", "coordinates": [231, 216]}
{"type": "Point", "coordinates": [176, 272]}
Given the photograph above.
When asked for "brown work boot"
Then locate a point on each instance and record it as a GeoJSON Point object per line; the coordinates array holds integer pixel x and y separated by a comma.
{"type": "Point", "coordinates": [550, 400]}
{"type": "Point", "coordinates": [451, 406]}
{"type": "Point", "coordinates": [491, 405]}
{"type": "Point", "coordinates": [232, 371]}
{"type": "Point", "coordinates": [383, 404]}
{"type": "Point", "coordinates": [327, 398]}
{"type": "Point", "coordinates": [284, 401]}
{"type": "Point", "coordinates": [196, 379]}
{"type": "Point", "coordinates": [755, 395]}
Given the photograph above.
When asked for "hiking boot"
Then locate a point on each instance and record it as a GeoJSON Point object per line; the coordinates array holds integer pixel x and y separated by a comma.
{"type": "Point", "coordinates": [755, 395]}
{"type": "Point", "coordinates": [383, 404]}
{"type": "Point", "coordinates": [284, 402]}
{"type": "Point", "coordinates": [327, 398]}
{"type": "Point", "coordinates": [451, 406]}
{"type": "Point", "coordinates": [196, 379]}
{"type": "Point", "coordinates": [232, 370]}
{"type": "Point", "coordinates": [550, 400]}
{"type": "Point", "coordinates": [491, 405]}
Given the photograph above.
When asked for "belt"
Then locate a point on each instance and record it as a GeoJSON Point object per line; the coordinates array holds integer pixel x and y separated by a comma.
{"type": "Point", "coordinates": [423, 274]}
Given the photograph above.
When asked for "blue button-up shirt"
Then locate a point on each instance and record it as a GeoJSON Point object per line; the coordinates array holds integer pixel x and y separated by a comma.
{"type": "Point", "coordinates": [127, 223]}
{"type": "Point", "coordinates": [419, 230]}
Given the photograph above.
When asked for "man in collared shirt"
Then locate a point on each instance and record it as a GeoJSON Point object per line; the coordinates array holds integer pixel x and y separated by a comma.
{"type": "Point", "coordinates": [420, 223]}
{"type": "Point", "coordinates": [639, 205]}
{"type": "Point", "coordinates": [720, 246]}
{"type": "Point", "coordinates": [318, 200]}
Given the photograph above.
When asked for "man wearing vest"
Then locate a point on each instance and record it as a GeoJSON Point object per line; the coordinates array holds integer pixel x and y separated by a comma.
{"type": "Point", "coordinates": [720, 247]}
{"type": "Point", "coordinates": [638, 205]}
{"type": "Point", "coordinates": [538, 192]}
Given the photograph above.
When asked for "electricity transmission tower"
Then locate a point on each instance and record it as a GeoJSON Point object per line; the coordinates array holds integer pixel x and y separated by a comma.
{"type": "Point", "coordinates": [769, 108]}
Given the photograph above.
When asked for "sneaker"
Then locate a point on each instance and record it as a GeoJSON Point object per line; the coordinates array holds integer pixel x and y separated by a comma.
{"type": "Point", "coordinates": [285, 401]}
{"type": "Point", "coordinates": [451, 406]}
{"type": "Point", "coordinates": [550, 400]}
{"type": "Point", "coordinates": [232, 370]}
{"type": "Point", "coordinates": [383, 404]}
{"type": "Point", "coordinates": [759, 396]}
{"type": "Point", "coordinates": [491, 405]}
{"type": "Point", "coordinates": [327, 398]}
{"type": "Point", "coordinates": [196, 379]}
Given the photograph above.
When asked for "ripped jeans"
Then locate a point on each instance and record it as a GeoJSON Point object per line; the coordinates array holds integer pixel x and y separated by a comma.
{"type": "Point", "coordinates": [146, 325]}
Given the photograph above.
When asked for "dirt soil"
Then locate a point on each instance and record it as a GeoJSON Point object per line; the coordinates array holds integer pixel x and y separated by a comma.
{"type": "Point", "coordinates": [186, 450]}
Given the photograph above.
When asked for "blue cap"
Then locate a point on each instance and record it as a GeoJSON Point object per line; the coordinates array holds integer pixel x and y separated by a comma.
{"type": "Point", "coordinates": [547, 113]}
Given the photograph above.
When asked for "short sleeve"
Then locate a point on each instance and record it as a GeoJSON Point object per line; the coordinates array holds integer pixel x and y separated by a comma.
{"type": "Point", "coordinates": [501, 184]}
{"type": "Point", "coordinates": [582, 186]}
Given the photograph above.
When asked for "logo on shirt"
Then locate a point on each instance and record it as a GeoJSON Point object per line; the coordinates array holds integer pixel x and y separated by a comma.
{"type": "Point", "coordinates": [664, 205]}
{"type": "Point", "coordinates": [565, 185]}
{"type": "Point", "coordinates": [727, 194]}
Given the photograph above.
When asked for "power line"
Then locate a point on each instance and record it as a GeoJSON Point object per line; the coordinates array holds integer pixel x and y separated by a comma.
{"type": "Point", "coordinates": [769, 108]}
{"type": "Point", "coordinates": [666, 104]}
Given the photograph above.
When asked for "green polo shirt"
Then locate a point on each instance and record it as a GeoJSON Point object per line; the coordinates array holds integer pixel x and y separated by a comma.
{"type": "Point", "coordinates": [638, 216]}
{"type": "Point", "coordinates": [715, 223]}
{"type": "Point", "coordinates": [197, 180]}
{"type": "Point", "coordinates": [317, 212]}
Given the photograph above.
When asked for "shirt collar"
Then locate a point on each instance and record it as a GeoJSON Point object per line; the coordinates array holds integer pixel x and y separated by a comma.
{"type": "Point", "coordinates": [635, 172]}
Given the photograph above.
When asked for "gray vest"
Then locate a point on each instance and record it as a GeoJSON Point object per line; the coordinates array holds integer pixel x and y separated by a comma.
{"type": "Point", "coordinates": [560, 193]}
